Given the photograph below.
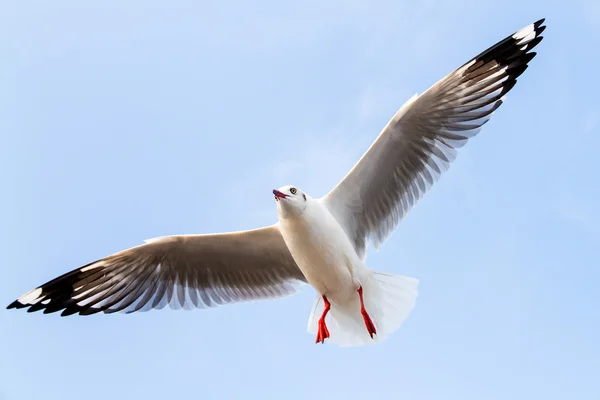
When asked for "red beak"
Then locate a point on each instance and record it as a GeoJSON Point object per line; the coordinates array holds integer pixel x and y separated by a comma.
{"type": "Point", "coordinates": [277, 193]}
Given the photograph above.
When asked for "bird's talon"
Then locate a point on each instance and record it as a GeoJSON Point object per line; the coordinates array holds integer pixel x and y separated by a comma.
{"type": "Point", "coordinates": [323, 332]}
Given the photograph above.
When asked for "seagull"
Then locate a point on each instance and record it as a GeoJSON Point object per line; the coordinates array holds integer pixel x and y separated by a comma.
{"type": "Point", "coordinates": [319, 241]}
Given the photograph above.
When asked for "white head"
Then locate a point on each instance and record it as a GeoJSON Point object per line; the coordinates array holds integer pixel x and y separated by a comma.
{"type": "Point", "coordinates": [291, 201]}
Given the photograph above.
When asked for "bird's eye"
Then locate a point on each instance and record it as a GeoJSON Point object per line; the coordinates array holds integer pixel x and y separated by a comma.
{"type": "Point", "coordinates": [293, 190]}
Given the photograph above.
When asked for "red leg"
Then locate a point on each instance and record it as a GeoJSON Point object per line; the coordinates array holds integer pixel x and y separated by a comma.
{"type": "Point", "coordinates": [323, 332]}
{"type": "Point", "coordinates": [368, 323]}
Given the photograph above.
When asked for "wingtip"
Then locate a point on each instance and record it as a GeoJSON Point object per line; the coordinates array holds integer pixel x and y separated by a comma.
{"type": "Point", "coordinates": [541, 29]}
{"type": "Point", "coordinates": [16, 304]}
{"type": "Point", "coordinates": [12, 305]}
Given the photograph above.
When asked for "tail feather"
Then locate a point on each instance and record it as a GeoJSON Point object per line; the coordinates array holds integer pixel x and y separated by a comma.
{"type": "Point", "coordinates": [388, 299]}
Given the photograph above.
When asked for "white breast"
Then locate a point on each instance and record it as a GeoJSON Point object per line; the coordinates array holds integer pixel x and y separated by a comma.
{"type": "Point", "coordinates": [322, 250]}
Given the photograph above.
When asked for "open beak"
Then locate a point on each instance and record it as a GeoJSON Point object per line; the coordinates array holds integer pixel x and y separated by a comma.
{"type": "Point", "coordinates": [278, 194]}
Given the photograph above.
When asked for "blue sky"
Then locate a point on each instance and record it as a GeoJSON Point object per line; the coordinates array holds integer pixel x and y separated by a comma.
{"type": "Point", "coordinates": [123, 121]}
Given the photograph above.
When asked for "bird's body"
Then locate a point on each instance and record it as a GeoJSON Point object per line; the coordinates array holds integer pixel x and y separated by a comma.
{"type": "Point", "coordinates": [320, 241]}
{"type": "Point", "coordinates": [323, 251]}
{"type": "Point", "coordinates": [330, 263]}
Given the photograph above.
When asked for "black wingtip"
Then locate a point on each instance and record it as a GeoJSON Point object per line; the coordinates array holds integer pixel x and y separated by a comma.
{"type": "Point", "coordinates": [15, 304]}
{"type": "Point", "coordinates": [68, 311]}
{"type": "Point", "coordinates": [540, 29]}
{"type": "Point", "coordinates": [512, 49]}
{"type": "Point", "coordinates": [534, 42]}
{"type": "Point", "coordinates": [36, 307]}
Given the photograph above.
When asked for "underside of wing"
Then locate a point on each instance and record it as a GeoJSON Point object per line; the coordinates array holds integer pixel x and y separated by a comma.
{"type": "Point", "coordinates": [180, 271]}
{"type": "Point", "coordinates": [421, 140]}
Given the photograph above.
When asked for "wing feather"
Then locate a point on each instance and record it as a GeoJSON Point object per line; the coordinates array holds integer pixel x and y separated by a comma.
{"type": "Point", "coordinates": [187, 271]}
{"type": "Point", "coordinates": [421, 140]}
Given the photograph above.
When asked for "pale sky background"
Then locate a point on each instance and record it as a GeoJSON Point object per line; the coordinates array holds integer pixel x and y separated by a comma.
{"type": "Point", "coordinates": [123, 121]}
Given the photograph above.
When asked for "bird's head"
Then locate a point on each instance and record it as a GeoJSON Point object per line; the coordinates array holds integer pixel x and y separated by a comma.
{"type": "Point", "coordinates": [291, 201]}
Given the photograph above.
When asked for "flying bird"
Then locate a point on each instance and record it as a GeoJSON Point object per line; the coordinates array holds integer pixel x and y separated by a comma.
{"type": "Point", "coordinates": [320, 241]}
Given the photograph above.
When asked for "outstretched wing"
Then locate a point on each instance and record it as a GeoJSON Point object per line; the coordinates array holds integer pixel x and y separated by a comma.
{"type": "Point", "coordinates": [182, 271]}
{"type": "Point", "coordinates": [421, 140]}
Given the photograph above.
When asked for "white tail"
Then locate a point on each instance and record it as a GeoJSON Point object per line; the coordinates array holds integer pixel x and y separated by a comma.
{"type": "Point", "coordinates": [388, 299]}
